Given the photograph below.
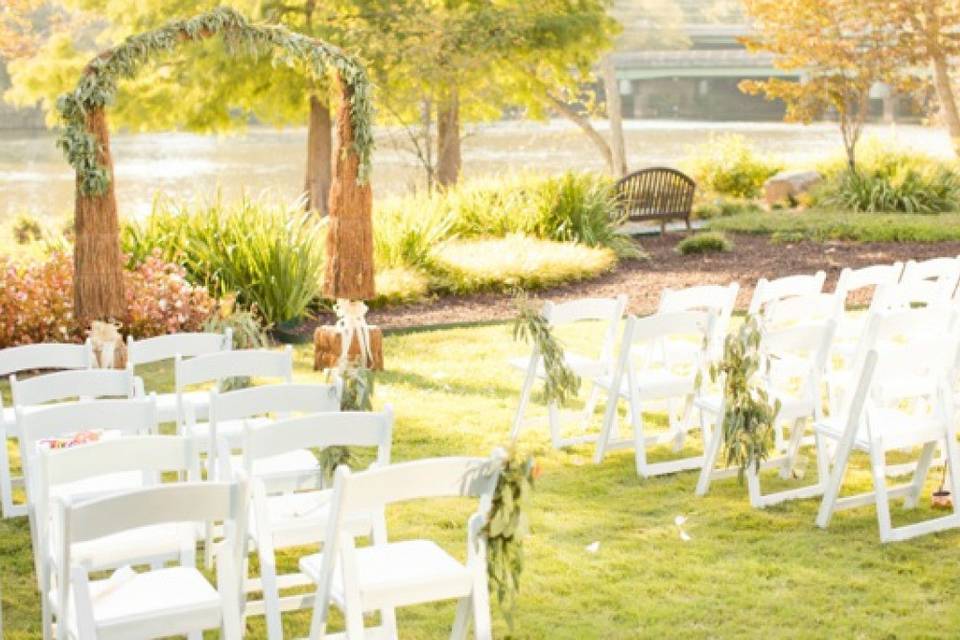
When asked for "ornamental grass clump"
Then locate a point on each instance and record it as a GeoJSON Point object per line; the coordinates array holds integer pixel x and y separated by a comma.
{"type": "Point", "coordinates": [704, 242]}
{"type": "Point", "coordinates": [749, 416]}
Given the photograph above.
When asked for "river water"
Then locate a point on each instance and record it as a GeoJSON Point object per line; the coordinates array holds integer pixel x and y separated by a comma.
{"type": "Point", "coordinates": [34, 177]}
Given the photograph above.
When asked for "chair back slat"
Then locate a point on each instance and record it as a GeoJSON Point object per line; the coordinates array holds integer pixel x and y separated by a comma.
{"type": "Point", "coordinates": [655, 193]}
{"type": "Point", "coordinates": [430, 478]}
{"type": "Point", "coordinates": [318, 430]}
{"type": "Point", "coordinates": [72, 384]}
{"type": "Point", "coordinates": [200, 502]}
{"type": "Point", "coordinates": [150, 453]}
{"type": "Point", "coordinates": [214, 367]}
{"type": "Point", "coordinates": [187, 345]}
{"type": "Point", "coordinates": [878, 275]}
{"type": "Point", "coordinates": [559, 313]}
{"type": "Point", "coordinates": [133, 416]}
{"type": "Point", "coordinates": [30, 357]}
{"type": "Point", "coordinates": [666, 325]}
{"type": "Point", "coordinates": [275, 398]}
{"type": "Point", "coordinates": [799, 285]}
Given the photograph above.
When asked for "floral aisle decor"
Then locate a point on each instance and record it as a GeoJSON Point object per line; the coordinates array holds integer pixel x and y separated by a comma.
{"type": "Point", "coordinates": [356, 395]}
{"type": "Point", "coordinates": [749, 416]}
{"type": "Point", "coordinates": [507, 525]}
{"type": "Point", "coordinates": [560, 384]}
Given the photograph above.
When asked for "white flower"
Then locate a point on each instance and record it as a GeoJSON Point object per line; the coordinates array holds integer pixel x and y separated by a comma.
{"type": "Point", "coordinates": [593, 547]}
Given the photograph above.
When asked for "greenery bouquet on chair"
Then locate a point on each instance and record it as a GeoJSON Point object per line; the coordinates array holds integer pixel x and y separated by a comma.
{"type": "Point", "coordinates": [749, 418]}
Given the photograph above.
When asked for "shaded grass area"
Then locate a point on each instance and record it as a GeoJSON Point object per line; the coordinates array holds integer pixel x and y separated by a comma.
{"type": "Point", "coordinates": [745, 573]}
{"type": "Point", "coordinates": [820, 226]}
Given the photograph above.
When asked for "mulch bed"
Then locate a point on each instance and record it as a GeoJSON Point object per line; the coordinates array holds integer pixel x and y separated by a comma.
{"type": "Point", "coordinates": [753, 257]}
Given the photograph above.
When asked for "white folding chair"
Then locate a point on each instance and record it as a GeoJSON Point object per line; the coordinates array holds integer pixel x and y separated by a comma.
{"type": "Point", "coordinates": [214, 368]}
{"type": "Point", "coordinates": [387, 575]}
{"type": "Point", "coordinates": [640, 378]}
{"type": "Point", "coordinates": [29, 358]}
{"type": "Point", "coordinates": [793, 363]}
{"type": "Point", "coordinates": [162, 602]}
{"type": "Point", "coordinates": [945, 272]}
{"type": "Point", "coordinates": [877, 427]}
{"type": "Point", "coordinates": [768, 291]}
{"type": "Point", "coordinates": [716, 298]}
{"type": "Point", "coordinates": [62, 469]}
{"type": "Point", "coordinates": [607, 310]}
{"type": "Point", "coordinates": [168, 347]}
{"type": "Point", "coordinates": [292, 509]}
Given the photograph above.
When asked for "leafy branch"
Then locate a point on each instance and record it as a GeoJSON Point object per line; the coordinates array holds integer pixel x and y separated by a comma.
{"type": "Point", "coordinates": [560, 383]}
{"type": "Point", "coordinates": [506, 527]}
{"type": "Point", "coordinates": [749, 417]}
{"type": "Point", "coordinates": [356, 395]}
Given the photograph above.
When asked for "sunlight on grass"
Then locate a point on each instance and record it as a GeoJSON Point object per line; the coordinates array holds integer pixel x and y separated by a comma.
{"type": "Point", "coordinates": [745, 572]}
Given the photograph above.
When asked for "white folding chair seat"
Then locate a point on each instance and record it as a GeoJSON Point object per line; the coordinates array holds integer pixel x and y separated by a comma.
{"type": "Point", "coordinates": [606, 310]}
{"type": "Point", "coordinates": [292, 509]}
{"type": "Point", "coordinates": [641, 376]}
{"type": "Point", "coordinates": [398, 574]}
{"type": "Point", "coordinates": [120, 606]}
{"type": "Point", "coordinates": [386, 575]}
{"type": "Point", "coordinates": [26, 358]}
{"type": "Point", "coordinates": [168, 347]}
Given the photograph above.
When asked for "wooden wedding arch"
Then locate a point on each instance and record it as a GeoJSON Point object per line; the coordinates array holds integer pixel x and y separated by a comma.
{"type": "Point", "coordinates": [85, 140]}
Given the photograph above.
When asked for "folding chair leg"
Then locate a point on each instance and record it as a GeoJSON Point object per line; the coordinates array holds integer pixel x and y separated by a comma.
{"type": "Point", "coordinates": [461, 624]}
{"type": "Point", "coordinates": [553, 416]}
{"type": "Point", "coordinates": [525, 392]}
{"type": "Point", "coordinates": [608, 427]}
{"type": "Point", "coordinates": [388, 621]}
{"type": "Point", "coordinates": [591, 405]}
{"type": "Point", "coordinates": [953, 467]}
{"type": "Point", "coordinates": [710, 455]}
{"type": "Point", "coordinates": [835, 479]}
{"type": "Point", "coordinates": [480, 599]}
{"type": "Point", "coordinates": [878, 470]}
{"type": "Point", "coordinates": [920, 475]}
{"type": "Point", "coordinates": [639, 441]}
{"type": "Point", "coordinates": [46, 614]}
{"type": "Point", "coordinates": [753, 488]}
{"type": "Point", "coordinates": [6, 483]}
{"type": "Point", "coordinates": [683, 424]}
{"type": "Point", "coordinates": [271, 592]}
{"type": "Point", "coordinates": [793, 447]}
{"type": "Point", "coordinates": [823, 459]}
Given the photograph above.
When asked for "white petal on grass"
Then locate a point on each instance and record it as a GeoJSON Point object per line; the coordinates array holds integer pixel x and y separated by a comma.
{"type": "Point", "coordinates": [593, 547]}
{"type": "Point", "coordinates": [685, 536]}
{"type": "Point", "coordinates": [680, 520]}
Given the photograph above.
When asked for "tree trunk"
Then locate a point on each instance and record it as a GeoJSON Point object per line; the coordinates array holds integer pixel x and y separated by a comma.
{"type": "Point", "coordinates": [584, 123]}
{"type": "Point", "coordinates": [615, 116]}
{"type": "Point", "coordinates": [349, 273]}
{"type": "Point", "coordinates": [98, 268]}
{"type": "Point", "coordinates": [948, 101]}
{"type": "Point", "coordinates": [319, 157]}
{"type": "Point", "coordinates": [448, 140]}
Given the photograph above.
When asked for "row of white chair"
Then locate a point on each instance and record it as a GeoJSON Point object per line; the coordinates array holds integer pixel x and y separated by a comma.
{"type": "Point", "coordinates": [267, 433]}
{"type": "Point", "coordinates": [809, 341]}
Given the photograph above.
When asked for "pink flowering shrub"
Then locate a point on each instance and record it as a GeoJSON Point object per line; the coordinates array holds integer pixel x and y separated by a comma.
{"type": "Point", "coordinates": [36, 301]}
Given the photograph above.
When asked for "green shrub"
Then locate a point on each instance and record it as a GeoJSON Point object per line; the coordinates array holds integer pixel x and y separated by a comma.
{"type": "Point", "coordinates": [729, 165]}
{"type": "Point", "coordinates": [720, 207]}
{"type": "Point", "coordinates": [504, 264]}
{"type": "Point", "coordinates": [705, 242]}
{"type": "Point", "coordinates": [401, 285]}
{"type": "Point", "coordinates": [270, 256]}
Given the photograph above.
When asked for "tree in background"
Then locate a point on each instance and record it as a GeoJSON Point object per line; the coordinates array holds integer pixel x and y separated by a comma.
{"type": "Point", "coordinates": [928, 37]}
{"type": "Point", "coordinates": [17, 33]}
{"type": "Point", "coordinates": [839, 52]}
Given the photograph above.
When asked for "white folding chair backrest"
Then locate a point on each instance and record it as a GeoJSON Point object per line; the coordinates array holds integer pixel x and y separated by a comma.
{"type": "Point", "coordinates": [716, 298]}
{"type": "Point", "coordinates": [943, 271]}
{"type": "Point", "coordinates": [878, 275]}
{"type": "Point", "coordinates": [278, 399]}
{"type": "Point", "coordinates": [317, 430]}
{"type": "Point", "coordinates": [696, 326]}
{"type": "Point", "coordinates": [31, 357]}
{"type": "Point", "coordinates": [609, 310]}
{"type": "Point", "coordinates": [910, 343]}
{"type": "Point", "coordinates": [198, 502]}
{"type": "Point", "coordinates": [135, 416]}
{"type": "Point", "coordinates": [770, 290]}
{"type": "Point", "coordinates": [810, 308]}
{"type": "Point", "coordinates": [800, 351]}
{"type": "Point", "coordinates": [215, 367]}
{"type": "Point", "coordinates": [186, 345]}
{"type": "Point", "coordinates": [905, 295]}
{"type": "Point", "coordinates": [79, 384]}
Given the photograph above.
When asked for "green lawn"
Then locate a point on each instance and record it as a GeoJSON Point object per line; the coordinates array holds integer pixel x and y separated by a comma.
{"type": "Point", "coordinates": [831, 225]}
{"type": "Point", "coordinates": [745, 573]}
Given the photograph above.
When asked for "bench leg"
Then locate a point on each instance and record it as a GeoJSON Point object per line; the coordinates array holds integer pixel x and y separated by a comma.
{"type": "Point", "coordinates": [687, 220]}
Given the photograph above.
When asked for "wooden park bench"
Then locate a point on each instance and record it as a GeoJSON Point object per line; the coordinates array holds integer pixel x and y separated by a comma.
{"type": "Point", "coordinates": [658, 193]}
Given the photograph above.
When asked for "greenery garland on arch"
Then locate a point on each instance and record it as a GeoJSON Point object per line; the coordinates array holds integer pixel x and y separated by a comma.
{"type": "Point", "coordinates": [98, 86]}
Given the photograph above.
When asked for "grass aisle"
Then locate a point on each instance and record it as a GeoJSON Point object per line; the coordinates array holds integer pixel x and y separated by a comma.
{"type": "Point", "coordinates": [745, 573]}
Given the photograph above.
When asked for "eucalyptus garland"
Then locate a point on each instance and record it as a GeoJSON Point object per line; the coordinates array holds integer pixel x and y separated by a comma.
{"type": "Point", "coordinates": [560, 382]}
{"type": "Point", "coordinates": [749, 417]}
{"type": "Point", "coordinates": [506, 527]}
{"type": "Point", "coordinates": [356, 395]}
{"type": "Point", "coordinates": [98, 85]}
